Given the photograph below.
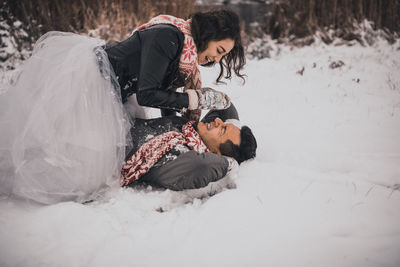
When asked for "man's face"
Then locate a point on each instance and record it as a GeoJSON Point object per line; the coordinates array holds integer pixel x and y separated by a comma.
{"type": "Point", "coordinates": [217, 132]}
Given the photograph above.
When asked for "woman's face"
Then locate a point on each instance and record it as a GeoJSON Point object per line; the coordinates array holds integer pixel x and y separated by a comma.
{"type": "Point", "coordinates": [215, 51]}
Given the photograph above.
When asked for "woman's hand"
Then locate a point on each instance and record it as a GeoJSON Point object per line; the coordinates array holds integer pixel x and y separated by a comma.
{"type": "Point", "coordinates": [207, 98]}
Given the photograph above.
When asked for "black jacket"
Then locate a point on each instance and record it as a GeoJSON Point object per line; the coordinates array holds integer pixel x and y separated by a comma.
{"type": "Point", "coordinates": [181, 168]}
{"type": "Point", "coordinates": [147, 64]}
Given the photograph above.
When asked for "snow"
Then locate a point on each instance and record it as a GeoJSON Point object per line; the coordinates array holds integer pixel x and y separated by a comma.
{"type": "Point", "coordinates": [324, 189]}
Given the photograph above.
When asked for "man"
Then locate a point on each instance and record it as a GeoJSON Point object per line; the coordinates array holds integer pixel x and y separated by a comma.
{"type": "Point", "coordinates": [180, 167]}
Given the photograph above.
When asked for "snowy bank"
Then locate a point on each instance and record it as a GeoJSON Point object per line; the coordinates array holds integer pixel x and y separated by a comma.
{"type": "Point", "coordinates": [323, 190]}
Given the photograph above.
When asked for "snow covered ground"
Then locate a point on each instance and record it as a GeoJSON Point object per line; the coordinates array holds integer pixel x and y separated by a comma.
{"type": "Point", "coordinates": [324, 189]}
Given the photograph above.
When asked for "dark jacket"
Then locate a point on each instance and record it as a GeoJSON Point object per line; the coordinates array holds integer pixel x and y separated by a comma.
{"type": "Point", "coordinates": [181, 168]}
{"type": "Point", "coordinates": [147, 64]}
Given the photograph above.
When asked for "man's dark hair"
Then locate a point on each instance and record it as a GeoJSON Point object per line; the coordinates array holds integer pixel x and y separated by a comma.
{"type": "Point", "coordinates": [216, 26]}
{"type": "Point", "coordinates": [245, 151]}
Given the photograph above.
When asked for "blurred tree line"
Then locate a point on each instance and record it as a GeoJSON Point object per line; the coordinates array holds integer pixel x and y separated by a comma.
{"type": "Point", "coordinates": [115, 19]}
{"type": "Point", "coordinates": [301, 18]}
{"type": "Point", "coordinates": [112, 19]}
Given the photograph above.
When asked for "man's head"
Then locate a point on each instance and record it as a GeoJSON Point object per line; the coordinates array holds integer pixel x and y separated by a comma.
{"type": "Point", "coordinates": [228, 140]}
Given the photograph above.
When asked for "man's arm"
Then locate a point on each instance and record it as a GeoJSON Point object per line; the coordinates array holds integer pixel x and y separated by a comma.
{"type": "Point", "coordinates": [190, 170]}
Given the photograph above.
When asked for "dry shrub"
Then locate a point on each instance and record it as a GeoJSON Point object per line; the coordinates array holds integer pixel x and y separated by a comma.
{"type": "Point", "coordinates": [301, 18]}
{"type": "Point", "coordinates": [110, 20]}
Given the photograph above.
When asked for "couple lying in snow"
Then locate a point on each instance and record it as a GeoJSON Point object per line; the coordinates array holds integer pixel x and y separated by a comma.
{"type": "Point", "coordinates": [65, 132]}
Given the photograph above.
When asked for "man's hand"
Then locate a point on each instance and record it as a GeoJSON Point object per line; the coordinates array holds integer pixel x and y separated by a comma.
{"type": "Point", "coordinates": [193, 115]}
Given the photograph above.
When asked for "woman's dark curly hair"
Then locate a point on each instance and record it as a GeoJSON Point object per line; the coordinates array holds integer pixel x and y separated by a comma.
{"type": "Point", "coordinates": [216, 26]}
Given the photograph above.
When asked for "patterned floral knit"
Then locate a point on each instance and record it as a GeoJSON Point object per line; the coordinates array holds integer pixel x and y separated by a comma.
{"type": "Point", "coordinates": [150, 152]}
{"type": "Point", "coordinates": [188, 61]}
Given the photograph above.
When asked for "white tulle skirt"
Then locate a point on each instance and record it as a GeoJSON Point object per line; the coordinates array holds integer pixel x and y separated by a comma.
{"type": "Point", "coordinates": [63, 127]}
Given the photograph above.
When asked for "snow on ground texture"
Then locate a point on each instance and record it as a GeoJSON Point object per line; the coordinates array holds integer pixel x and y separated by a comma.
{"type": "Point", "coordinates": [323, 190]}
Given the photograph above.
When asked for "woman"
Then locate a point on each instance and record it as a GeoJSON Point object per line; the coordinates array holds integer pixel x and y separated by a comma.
{"type": "Point", "coordinates": [63, 126]}
{"type": "Point", "coordinates": [164, 54]}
